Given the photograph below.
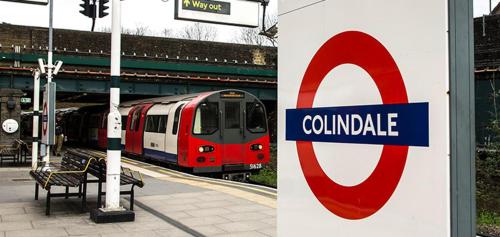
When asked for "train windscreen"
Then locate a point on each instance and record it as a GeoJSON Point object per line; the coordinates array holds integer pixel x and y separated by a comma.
{"type": "Point", "coordinates": [206, 118]}
{"type": "Point", "coordinates": [256, 118]}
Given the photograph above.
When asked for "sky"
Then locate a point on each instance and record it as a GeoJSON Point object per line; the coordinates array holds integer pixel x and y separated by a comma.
{"type": "Point", "coordinates": [154, 14]}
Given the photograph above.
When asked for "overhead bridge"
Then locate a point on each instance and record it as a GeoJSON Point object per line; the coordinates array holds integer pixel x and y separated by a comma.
{"type": "Point", "coordinates": [151, 66]}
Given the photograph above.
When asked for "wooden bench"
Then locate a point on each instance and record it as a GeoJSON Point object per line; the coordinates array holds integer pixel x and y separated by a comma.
{"type": "Point", "coordinates": [127, 177]}
{"type": "Point", "coordinates": [10, 153]}
{"type": "Point", "coordinates": [24, 150]}
{"type": "Point", "coordinates": [71, 172]}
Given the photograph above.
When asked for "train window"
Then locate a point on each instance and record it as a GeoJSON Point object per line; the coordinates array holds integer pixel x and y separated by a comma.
{"type": "Point", "coordinates": [256, 118]}
{"type": "Point", "coordinates": [136, 115]}
{"type": "Point", "coordinates": [124, 122]}
{"type": "Point", "coordinates": [206, 119]}
{"type": "Point", "coordinates": [104, 123]}
{"type": "Point", "coordinates": [176, 119]}
{"type": "Point", "coordinates": [162, 121]}
{"type": "Point", "coordinates": [152, 123]}
{"type": "Point", "coordinates": [93, 121]}
{"type": "Point", "coordinates": [232, 114]}
{"type": "Point", "coordinates": [132, 121]}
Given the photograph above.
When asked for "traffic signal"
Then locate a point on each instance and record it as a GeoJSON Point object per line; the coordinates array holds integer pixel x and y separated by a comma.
{"type": "Point", "coordinates": [103, 8]}
{"type": "Point", "coordinates": [88, 9]}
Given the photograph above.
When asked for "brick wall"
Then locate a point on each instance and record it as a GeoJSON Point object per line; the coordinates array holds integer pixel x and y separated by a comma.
{"type": "Point", "coordinates": [487, 42]}
{"type": "Point", "coordinates": [6, 113]}
{"type": "Point", "coordinates": [96, 41]}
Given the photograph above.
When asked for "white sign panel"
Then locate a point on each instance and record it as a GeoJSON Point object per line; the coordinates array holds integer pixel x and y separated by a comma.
{"type": "Point", "coordinates": [228, 12]}
{"type": "Point", "coordinates": [363, 118]}
{"type": "Point", "coordinates": [37, 2]}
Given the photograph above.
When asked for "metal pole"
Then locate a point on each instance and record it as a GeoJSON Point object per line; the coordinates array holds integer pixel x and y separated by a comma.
{"type": "Point", "coordinates": [113, 162]}
{"type": "Point", "coordinates": [36, 114]}
{"type": "Point", "coordinates": [46, 159]}
{"type": "Point", "coordinates": [94, 16]}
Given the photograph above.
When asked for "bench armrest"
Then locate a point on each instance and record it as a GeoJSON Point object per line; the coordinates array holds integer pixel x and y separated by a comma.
{"type": "Point", "coordinates": [132, 173]}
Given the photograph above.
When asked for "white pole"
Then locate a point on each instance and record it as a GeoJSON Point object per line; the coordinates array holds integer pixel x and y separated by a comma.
{"type": "Point", "coordinates": [113, 162]}
{"type": "Point", "coordinates": [36, 114]}
{"type": "Point", "coordinates": [46, 159]}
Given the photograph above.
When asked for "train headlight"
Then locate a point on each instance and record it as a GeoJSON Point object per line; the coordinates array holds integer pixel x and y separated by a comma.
{"type": "Point", "coordinates": [202, 149]}
{"type": "Point", "coordinates": [256, 147]}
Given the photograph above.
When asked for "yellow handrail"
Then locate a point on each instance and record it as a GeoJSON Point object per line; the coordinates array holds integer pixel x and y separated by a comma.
{"type": "Point", "coordinates": [68, 172]}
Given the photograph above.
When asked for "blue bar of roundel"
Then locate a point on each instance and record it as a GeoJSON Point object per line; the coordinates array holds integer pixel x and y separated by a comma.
{"type": "Point", "coordinates": [412, 124]}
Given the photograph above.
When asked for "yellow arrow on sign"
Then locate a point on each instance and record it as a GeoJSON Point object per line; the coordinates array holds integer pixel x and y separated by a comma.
{"type": "Point", "coordinates": [187, 2]}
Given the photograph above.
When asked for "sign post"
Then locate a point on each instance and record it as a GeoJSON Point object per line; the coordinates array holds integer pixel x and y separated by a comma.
{"type": "Point", "coordinates": [227, 12]}
{"type": "Point", "coordinates": [113, 211]}
{"type": "Point", "coordinates": [369, 118]}
{"type": "Point", "coordinates": [36, 119]}
{"type": "Point", "coordinates": [36, 2]}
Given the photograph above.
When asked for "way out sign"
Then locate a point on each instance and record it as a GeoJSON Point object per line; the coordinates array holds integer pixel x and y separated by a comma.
{"type": "Point", "coordinates": [371, 142]}
{"type": "Point", "coordinates": [227, 12]}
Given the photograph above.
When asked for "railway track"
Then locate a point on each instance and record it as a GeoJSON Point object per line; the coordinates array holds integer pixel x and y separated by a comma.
{"type": "Point", "coordinates": [156, 170]}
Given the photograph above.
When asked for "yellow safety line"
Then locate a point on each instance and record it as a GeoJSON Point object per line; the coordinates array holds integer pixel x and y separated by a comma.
{"type": "Point", "coordinates": [214, 182]}
{"type": "Point", "coordinates": [193, 178]}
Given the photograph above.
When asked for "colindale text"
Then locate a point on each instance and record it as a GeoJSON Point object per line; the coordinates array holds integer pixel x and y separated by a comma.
{"type": "Point", "coordinates": [351, 124]}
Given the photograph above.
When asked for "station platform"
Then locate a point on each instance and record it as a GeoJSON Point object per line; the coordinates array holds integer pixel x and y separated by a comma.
{"type": "Point", "coordinates": [170, 204]}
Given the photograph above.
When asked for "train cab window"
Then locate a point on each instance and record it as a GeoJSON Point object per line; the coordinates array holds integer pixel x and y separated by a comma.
{"type": "Point", "coordinates": [206, 119]}
{"type": "Point", "coordinates": [176, 119]}
{"type": "Point", "coordinates": [124, 122]}
{"type": "Point", "coordinates": [162, 123]}
{"type": "Point", "coordinates": [232, 114]}
{"type": "Point", "coordinates": [152, 123]}
{"type": "Point", "coordinates": [256, 118]}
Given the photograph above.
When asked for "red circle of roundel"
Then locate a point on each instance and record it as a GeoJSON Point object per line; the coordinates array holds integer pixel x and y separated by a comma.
{"type": "Point", "coordinates": [366, 198]}
{"type": "Point", "coordinates": [44, 124]}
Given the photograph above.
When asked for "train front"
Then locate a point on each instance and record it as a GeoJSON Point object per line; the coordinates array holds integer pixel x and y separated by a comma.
{"type": "Point", "coordinates": [224, 131]}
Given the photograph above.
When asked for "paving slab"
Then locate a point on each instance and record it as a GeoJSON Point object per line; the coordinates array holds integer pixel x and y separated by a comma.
{"type": "Point", "coordinates": [50, 232]}
{"type": "Point", "coordinates": [230, 216]}
{"type": "Point", "coordinates": [163, 208]}
{"type": "Point", "coordinates": [6, 226]}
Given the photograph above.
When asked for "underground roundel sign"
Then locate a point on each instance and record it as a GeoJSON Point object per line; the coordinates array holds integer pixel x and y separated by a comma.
{"type": "Point", "coordinates": [396, 124]}
{"type": "Point", "coordinates": [44, 119]}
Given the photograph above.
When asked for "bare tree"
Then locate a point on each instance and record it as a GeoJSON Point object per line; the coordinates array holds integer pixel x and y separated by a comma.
{"type": "Point", "coordinates": [107, 29]}
{"type": "Point", "coordinates": [198, 31]}
{"type": "Point", "coordinates": [127, 31]}
{"type": "Point", "coordinates": [167, 32]}
{"type": "Point", "coordinates": [254, 35]}
{"type": "Point", "coordinates": [141, 30]}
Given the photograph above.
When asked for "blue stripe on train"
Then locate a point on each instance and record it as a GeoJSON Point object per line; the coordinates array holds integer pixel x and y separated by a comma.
{"type": "Point", "coordinates": [160, 155]}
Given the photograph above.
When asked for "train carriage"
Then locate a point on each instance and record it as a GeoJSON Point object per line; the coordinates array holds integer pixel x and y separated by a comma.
{"type": "Point", "coordinates": [220, 131]}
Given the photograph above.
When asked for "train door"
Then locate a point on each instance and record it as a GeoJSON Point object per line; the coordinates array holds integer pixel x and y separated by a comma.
{"type": "Point", "coordinates": [124, 114]}
{"type": "Point", "coordinates": [130, 127]}
{"type": "Point", "coordinates": [171, 141]}
{"type": "Point", "coordinates": [233, 132]}
{"type": "Point", "coordinates": [136, 129]}
{"type": "Point", "coordinates": [102, 136]}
